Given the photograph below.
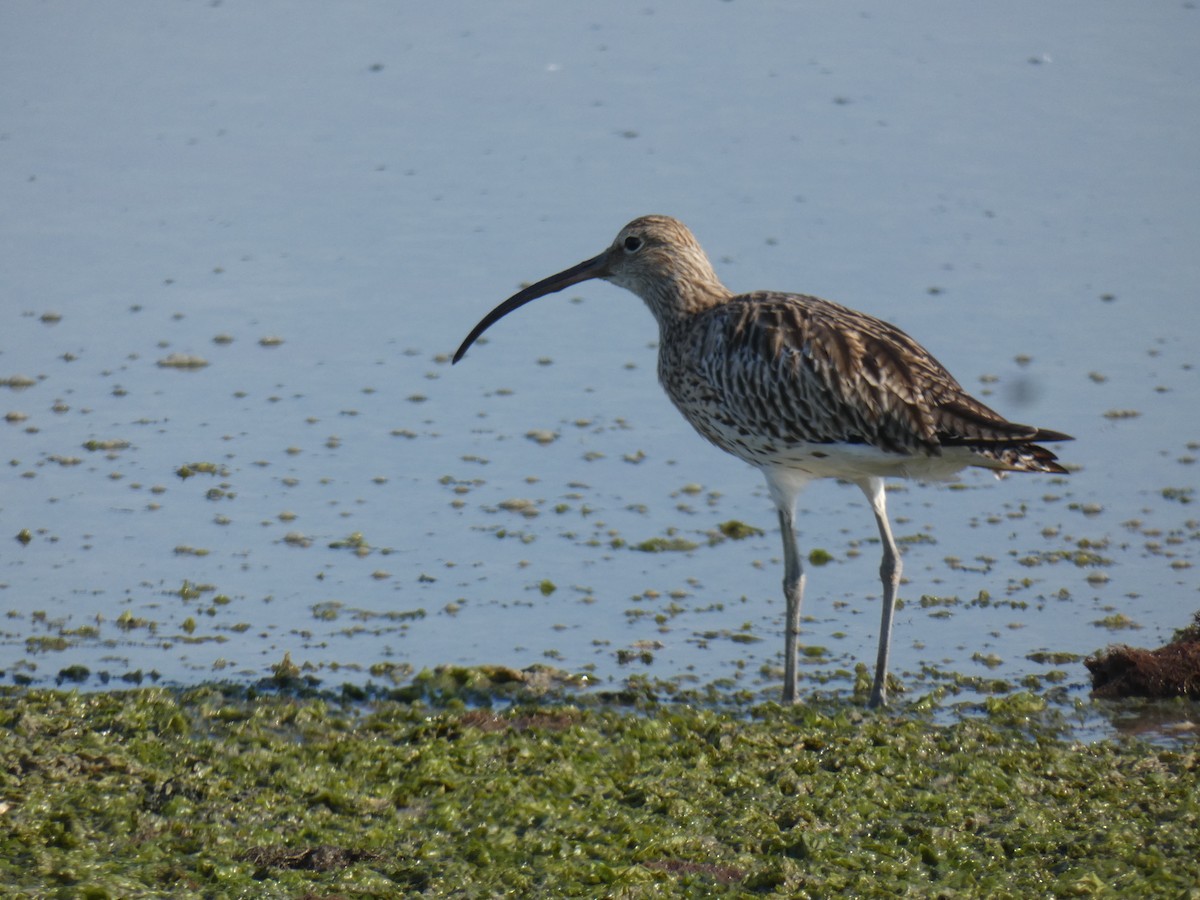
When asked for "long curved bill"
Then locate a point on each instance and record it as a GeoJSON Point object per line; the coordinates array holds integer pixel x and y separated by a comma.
{"type": "Point", "coordinates": [596, 267]}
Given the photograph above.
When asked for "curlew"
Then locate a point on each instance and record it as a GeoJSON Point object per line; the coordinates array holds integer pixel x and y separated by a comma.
{"type": "Point", "coordinates": [800, 388]}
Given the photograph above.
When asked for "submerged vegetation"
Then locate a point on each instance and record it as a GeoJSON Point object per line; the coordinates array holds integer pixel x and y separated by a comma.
{"type": "Point", "coordinates": [228, 792]}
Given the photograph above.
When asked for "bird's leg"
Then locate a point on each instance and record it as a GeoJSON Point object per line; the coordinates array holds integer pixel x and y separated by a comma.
{"type": "Point", "coordinates": [889, 574]}
{"type": "Point", "coordinates": [793, 593]}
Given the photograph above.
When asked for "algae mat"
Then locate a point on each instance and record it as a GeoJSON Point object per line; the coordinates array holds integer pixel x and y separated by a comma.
{"type": "Point", "coordinates": [220, 792]}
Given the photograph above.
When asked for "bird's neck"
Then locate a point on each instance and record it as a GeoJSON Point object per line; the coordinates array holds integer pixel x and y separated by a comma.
{"type": "Point", "coordinates": [674, 301]}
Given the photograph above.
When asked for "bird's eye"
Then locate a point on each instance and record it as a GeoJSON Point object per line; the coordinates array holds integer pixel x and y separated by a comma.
{"type": "Point", "coordinates": [633, 244]}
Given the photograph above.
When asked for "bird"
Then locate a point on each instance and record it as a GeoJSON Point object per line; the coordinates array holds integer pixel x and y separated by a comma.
{"type": "Point", "coordinates": [801, 388]}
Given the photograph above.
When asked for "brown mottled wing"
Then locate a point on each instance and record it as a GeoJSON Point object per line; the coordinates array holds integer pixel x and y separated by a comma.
{"type": "Point", "coordinates": [800, 368]}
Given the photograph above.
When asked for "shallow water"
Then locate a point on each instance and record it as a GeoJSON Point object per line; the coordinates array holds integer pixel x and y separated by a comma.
{"type": "Point", "coordinates": [318, 205]}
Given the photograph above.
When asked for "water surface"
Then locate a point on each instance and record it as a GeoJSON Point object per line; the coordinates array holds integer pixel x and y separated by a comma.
{"type": "Point", "coordinates": [317, 205]}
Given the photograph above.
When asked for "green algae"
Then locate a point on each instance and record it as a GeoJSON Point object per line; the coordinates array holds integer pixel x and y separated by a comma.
{"type": "Point", "coordinates": [187, 470]}
{"type": "Point", "coordinates": [820, 557]}
{"type": "Point", "coordinates": [666, 545]}
{"type": "Point", "coordinates": [1116, 622]}
{"type": "Point", "coordinates": [223, 792]}
{"type": "Point", "coordinates": [738, 531]}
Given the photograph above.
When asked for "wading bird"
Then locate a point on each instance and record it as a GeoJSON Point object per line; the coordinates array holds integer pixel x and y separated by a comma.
{"type": "Point", "coordinates": [800, 388]}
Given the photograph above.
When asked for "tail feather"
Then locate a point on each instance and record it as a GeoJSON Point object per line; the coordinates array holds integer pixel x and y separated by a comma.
{"type": "Point", "coordinates": [1020, 457]}
{"type": "Point", "coordinates": [1003, 445]}
{"type": "Point", "coordinates": [1045, 434]}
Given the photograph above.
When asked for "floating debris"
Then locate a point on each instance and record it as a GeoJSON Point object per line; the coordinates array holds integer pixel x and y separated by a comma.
{"type": "Point", "coordinates": [353, 541]}
{"type": "Point", "coordinates": [189, 469]}
{"type": "Point", "coordinates": [665, 545]}
{"type": "Point", "coordinates": [182, 361]}
{"type": "Point", "coordinates": [527, 508]}
{"type": "Point", "coordinates": [109, 445]}
{"type": "Point", "coordinates": [820, 557]}
{"type": "Point", "coordinates": [542, 436]}
{"type": "Point", "coordinates": [737, 531]}
{"type": "Point", "coordinates": [1116, 621]}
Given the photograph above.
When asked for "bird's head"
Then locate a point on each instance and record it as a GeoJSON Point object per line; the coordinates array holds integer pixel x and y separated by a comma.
{"type": "Point", "coordinates": [655, 257]}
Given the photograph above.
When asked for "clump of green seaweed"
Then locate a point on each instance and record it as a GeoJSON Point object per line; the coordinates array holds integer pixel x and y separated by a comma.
{"type": "Point", "coordinates": [270, 791]}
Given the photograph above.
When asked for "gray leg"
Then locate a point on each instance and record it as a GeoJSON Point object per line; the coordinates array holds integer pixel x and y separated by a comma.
{"type": "Point", "coordinates": [793, 592]}
{"type": "Point", "coordinates": [889, 575]}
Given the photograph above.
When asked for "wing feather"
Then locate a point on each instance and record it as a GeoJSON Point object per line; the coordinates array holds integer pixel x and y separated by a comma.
{"type": "Point", "coordinates": [802, 369]}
